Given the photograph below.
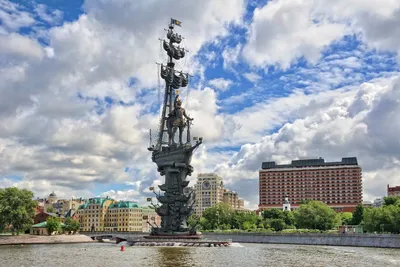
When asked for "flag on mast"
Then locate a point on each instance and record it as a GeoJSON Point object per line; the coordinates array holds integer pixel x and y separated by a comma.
{"type": "Point", "coordinates": [176, 22]}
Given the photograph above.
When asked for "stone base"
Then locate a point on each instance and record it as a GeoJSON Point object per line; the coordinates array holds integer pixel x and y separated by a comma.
{"type": "Point", "coordinates": [180, 243]}
{"type": "Point", "coordinates": [184, 236]}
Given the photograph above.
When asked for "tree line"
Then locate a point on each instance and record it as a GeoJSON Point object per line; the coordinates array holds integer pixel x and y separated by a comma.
{"type": "Point", "coordinates": [17, 211]}
{"type": "Point", "coordinates": [311, 216]}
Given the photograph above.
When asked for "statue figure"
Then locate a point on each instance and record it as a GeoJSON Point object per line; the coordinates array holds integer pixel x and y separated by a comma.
{"type": "Point", "coordinates": [176, 119]}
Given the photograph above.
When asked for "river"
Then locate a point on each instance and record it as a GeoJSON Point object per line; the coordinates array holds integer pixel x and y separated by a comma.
{"type": "Point", "coordinates": [243, 255]}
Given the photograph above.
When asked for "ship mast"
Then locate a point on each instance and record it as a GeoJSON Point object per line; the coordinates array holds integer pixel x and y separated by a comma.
{"type": "Point", "coordinates": [173, 79]}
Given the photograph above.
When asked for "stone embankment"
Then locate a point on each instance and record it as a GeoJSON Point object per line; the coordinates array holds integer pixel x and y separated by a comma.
{"type": "Point", "coordinates": [42, 239]}
{"type": "Point", "coordinates": [351, 240]}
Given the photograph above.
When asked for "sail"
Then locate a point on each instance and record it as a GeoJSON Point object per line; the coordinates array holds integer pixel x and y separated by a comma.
{"type": "Point", "coordinates": [173, 51]}
{"type": "Point", "coordinates": [174, 37]}
{"type": "Point", "coordinates": [176, 80]}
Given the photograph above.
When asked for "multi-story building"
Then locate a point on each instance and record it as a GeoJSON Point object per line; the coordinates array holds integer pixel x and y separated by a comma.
{"type": "Point", "coordinates": [128, 216]}
{"type": "Point", "coordinates": [378, 202]}
{"type": "Point", "coordinates": [338, 184]}
{"type": "Point", "coordinates": [105, 214]}
{"type": "Point", "coordinates": [209, 191]}
{"type": "Point", "coordinates": [393, 191]}
{"type": "Point", "coordinates": [64, 205]}
{"type": "Point", "coordinates": [232, 199]}
{"type": "Point", "coordinates": [92, 214]}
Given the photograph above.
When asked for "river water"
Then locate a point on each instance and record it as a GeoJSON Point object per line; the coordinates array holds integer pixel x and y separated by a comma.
{"type": "Point", "coordinates": [243, 255]}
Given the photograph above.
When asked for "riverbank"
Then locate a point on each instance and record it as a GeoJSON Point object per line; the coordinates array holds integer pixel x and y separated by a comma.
{"type": "Point", "coordinates": [43, 239]}
{"type": "Point", "coordinates": [348, 240]}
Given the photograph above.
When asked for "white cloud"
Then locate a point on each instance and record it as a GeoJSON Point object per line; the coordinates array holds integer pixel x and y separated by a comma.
{"type": "Point", "coordinates": [16, 45]}
{"type": "Point", "coordinates": [12, 17]}
{"type": "Point", "coordinates": [360, 123]}
{"type": "Point", "coordinates": [284, 30]}
{"type": "Point", "coordinates": [231, 56]}
{"type": "Point", "coordinates": [220, 83]}
{"type": "Point", "coordinates": [252, 77]}
{"type": "Point", "coordinates": [53, 17]}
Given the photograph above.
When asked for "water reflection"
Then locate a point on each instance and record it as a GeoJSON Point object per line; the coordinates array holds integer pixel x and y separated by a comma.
{"type": "Point", "coordinates": [174, 256]}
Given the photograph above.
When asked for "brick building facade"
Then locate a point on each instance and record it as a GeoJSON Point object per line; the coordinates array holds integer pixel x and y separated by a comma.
{"type": "Point", "coordinates": [337, 184]}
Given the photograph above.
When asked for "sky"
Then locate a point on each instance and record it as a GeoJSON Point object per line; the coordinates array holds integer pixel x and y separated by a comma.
{"type": "Point", "coordinates": [272, 81]}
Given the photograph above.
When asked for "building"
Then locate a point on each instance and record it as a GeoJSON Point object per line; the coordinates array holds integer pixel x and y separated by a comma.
{"type": "Point", "coordinates": [105, 214]}
{"type": "Point", "coordinates": [128, 216]}
{"type": "Point", "coordinates": [92, 214]}
{"type": "Point", "coordinates": [378, 202]}
{"type": "Point", "coordinates": [209, 191]}
{"type": "Point", "coordinates": [64, 205]}
{"type": "Point", "coordinates": [393, 191]}
{"type": "Point", "coordinates": [286, 204]}
{"type": "Point", "coordinates": [42, 217]}
{"type": "Point", "coordinates": [232, 199]}
{"type": "Point", "coordinates": [367, 204]}
{"type": "Point", "coordinates": [338, 184]}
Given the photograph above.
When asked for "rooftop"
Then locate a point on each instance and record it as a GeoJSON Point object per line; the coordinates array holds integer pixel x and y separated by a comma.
{"type": "Point", "coordinates": [124, 204]}
{"type": "Point", "coordinates": [320, 162]}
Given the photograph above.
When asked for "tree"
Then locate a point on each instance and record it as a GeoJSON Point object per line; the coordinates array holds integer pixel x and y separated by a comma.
{"type": "Point", "coordinates": [391, 200]}
{"type": "Point", "coordinates": [17, 208]}
{"type": "Point", "coordinates": [346, 218]}
{"type": "Point", "coordinates": [277, 224]}
{"type": "Point", "coordinates": [217, 216]}
{"type": "Point", "coordinates": [50, 209]}
{"type": "Point", "coordinates": [75, 226]}
{"type": "Point", "coordinates": [358, 215]}
{"type": "Point", "coordinates": [315, 215]}
{"type": "Point", "coordinates": [71, 225]}
{"type": "Point", "coordinates": [53, 224]}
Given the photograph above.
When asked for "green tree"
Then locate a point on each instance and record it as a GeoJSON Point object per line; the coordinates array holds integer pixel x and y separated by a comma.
{"type": "Point", "coordinates": [71, 225]}
{"type": "Point", "coordinates": [391, 200]}
{"type": "Point", "coordinates": [277, 224]}
{"type": "Point", "coordinates": [315, 215]}
{"type": "Point", "coordinates": [193, 220]}
{"type": "Point", "coordinates": [53, 224]}
{"type": "Point", "coordinates": [75, 226]}
{"type": "Point", "coordinates": [358, 215]}
{"type": "Point", "coordinates": [346, 218]}
{"type": "Point", "coordinates": [273, 214]}
{"type": "Point", "coordinates": [50, 209]}
{"type": "Point", "coordinates": [217, 216]}
{"type": "Point", "coordinates": [67, 224]}
{"type": "Point", "coordinates": [17, 209]}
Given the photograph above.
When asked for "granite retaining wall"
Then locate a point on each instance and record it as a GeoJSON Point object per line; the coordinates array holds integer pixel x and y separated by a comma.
{"type": "Point", "coordinates": [353, 240]}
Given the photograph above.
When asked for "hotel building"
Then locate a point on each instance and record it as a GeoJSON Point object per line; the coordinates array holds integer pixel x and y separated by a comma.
{"type": "Point", "coordinates": [337, 184]}
{"type": "Point", "coordinates": [393, 191]}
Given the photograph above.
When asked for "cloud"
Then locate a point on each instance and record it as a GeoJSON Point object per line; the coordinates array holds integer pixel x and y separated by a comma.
{"type": "Point", "coordinates": [284, 30]}
{"type": "Point", "coordinates": [12, 17]}
{"type": "Point", "coordinates": [220, 83]}
{"type": "Point", "coordinates": [252, 77]}
{"type": "Point", "coordinates": [53, 17]}
{"type": "Point", "coordinates": [360, 123]}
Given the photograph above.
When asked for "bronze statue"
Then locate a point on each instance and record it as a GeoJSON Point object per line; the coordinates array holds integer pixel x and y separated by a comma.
{"type": "Point", "coordinates": [176, 119]}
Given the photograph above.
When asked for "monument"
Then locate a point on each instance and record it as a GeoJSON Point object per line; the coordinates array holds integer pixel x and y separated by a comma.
{"type": "Point", "coordinates": [173, 157]}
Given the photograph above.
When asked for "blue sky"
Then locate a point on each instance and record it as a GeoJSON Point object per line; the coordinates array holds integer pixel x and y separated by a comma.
{"type": "Point", "coordinates": [272, 80]}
